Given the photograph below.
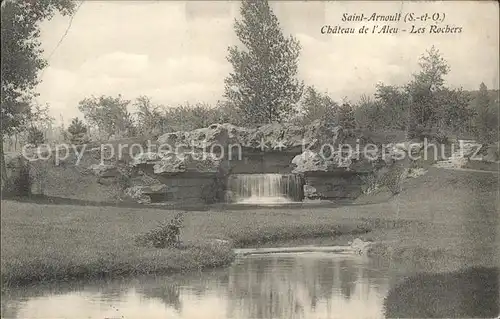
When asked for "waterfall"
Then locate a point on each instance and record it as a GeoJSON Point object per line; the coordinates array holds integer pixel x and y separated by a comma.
{"type": "Point", "coordinates": [265, 188]}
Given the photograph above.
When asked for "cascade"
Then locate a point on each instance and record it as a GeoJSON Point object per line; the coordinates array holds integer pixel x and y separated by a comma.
{"type": "Point", "coordinates": [265, 188]}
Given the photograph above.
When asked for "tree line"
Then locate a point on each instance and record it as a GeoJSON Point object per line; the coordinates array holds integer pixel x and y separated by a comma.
{"type": "Point", "coordinates": [262, 88]}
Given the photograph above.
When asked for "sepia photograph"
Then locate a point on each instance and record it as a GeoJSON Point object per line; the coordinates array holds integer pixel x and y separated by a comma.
{"type": "Point", "coordinates": [250, 159]}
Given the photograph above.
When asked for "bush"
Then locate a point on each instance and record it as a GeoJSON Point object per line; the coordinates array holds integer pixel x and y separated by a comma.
{"type": "Point", "coordinates": [164, 235]}
{"type": "Point", "coordinates": [35, 136]}
{"type": "Point", "coordinates": [20, 183]}
{"type": "Point", "coordinates": [441, 137]}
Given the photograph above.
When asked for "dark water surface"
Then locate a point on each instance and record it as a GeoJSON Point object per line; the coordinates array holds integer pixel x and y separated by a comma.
{"type": "Point", "coordinates": [309, 285]}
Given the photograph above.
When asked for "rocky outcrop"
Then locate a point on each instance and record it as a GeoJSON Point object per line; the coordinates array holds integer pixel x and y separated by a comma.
{"type": "Point", "coordinates": [271, 137]}
{"type": "Point", "coordinates": [332, 186]}
{"type": "Point", "coordinates": [352, 160]}
{"type": "Point", "coordinates": [311, 193]}
{"type": "Point", "coordinates": [361, 247]}
{"type": "Point", "coordinates": [214, 150]}
{"type": "Point", "coordinates": [349, 171]}
{"type": "Point", "coordinates": [329, 177]}
{"type": "Point", "coordinates": [180, 162]}
{"type": "Point", "coordinates": [147, 194]}
{"type": "Point", "coordinates": [462, 153]}
{"type": "Point", "coordinates": [198, 162]}
{"type": "Point", "coordinates": [310, 161]}
{"type": "Point", "coordinates": [491, 153]}
{"type": "Point", "coordinates": [190, 167]}
{"type": "Point", "coordinates": [191, 176]}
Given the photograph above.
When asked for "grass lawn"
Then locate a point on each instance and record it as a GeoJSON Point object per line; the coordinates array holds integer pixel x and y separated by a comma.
{"type": "Point", "coordinates": [47, 242]}
{"type": "Point", "coordinates": [444, 215]}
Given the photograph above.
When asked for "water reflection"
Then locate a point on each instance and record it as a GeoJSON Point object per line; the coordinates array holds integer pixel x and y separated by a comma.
{"type": "Point", "coordinates": [286, 286]}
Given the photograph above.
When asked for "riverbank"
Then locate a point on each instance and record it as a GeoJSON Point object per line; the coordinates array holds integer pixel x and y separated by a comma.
{"type": "Point", "coordinates": [61, 242]}
{"type": "Point", "coordinates": [441, 220]}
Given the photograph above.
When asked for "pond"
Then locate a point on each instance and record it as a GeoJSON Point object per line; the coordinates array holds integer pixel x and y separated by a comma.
{"type": "Point", "coordinates": [299, 285]}
{"type": "Point", "coordinates": [306, 285]}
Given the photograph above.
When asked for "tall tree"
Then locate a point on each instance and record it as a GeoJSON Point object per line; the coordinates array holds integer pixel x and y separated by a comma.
{"type": "Point", "coordinates": [35, 136]}
{"type": "Point", "coordinates": [77, 131]}
{"type": "Point", "coordinates": [189, 117]}
{"type": "Point", "coordinates": [452, 110]}
{"type": "Point", "coordinates": [36, 125]}
{"type": "Point", "coordinates": [394, 103]}
{"type": "Point", "coordinates": [424, 86]}
{"type": "Point", "coordinates": [370, 113]}
{"type": "Point", "coordinates": [263, 84]}
{"type": "Point", "coordinates": [346, 117]}
{"type": "Point", "coordinates": [109, 114]}
{"type": "Point", "coordinates": [316, 105]}
{"type": "Point", "coordinates": [484, 121]}
{"type": "Point", "coordinates": [21, 54]}
{"type": "Point", "coordinates": [22, 57]}
{"type": "Point", "coordinates": [149, 116]}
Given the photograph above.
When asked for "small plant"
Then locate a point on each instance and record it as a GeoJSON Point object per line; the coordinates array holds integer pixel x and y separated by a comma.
{"type": "Point", "coordinates": [441, 137]}
{"type": "Point", "coordinates": [166, 234]}
{"type": "Point", "coordinates": [35, 136]}
{"type": "Point", "coordinates": [394, 178]}
{"type": "Point", "coordinates": [77, 131]}
{"type": "Point", "coordinates": [370, 184]}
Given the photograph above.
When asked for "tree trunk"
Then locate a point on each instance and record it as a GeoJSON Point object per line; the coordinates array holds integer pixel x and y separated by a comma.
{"type": "Point", "coordinates": [2, 163]}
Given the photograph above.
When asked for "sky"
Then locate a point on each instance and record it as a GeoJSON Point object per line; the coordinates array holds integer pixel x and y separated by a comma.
{"type": "Point", "coordinates": [175, 52]}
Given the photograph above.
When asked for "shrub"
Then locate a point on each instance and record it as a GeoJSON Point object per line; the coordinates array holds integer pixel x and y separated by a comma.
{"type": "Point", "coordinates": [20, 183]}
{"type": "Point", "coordinates": [164, 235]}
{"type": "Point", "coordinates": [441, 137]}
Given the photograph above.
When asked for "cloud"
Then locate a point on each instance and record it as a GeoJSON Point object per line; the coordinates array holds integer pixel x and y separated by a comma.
{"type": "Point", "coordinates": [193, 68]}
{"type": "Point", "coordinates": [176, 52]}
{"type": "Point", "coordinates": [57, 83]}
{"type": "Point", "coordinates": [116, 64]}
{"type": "Point", "coordinates": [172, 81]}
{"type": "Point", "coordinates": [192, 92]}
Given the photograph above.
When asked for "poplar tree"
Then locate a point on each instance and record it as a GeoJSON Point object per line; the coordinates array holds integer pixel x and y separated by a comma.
{"type": "Point", "coordinates": [263, 85]}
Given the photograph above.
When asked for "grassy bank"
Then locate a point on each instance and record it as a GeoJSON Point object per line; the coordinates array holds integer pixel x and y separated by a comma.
{"type": "Point", "coordinates": [441, 217]}
{"type": "Point", "coordinates": [60, 242]}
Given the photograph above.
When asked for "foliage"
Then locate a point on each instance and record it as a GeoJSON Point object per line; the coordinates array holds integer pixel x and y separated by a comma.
{"type": "Point", "coordinates": [369, 113]}
{"type": "Point", "coordinates": [263, 84]}
{"type": "Point", "coordinates": [424, 102]}
{"type": "Point", "coordinates": [21, 55]}
{"type": "Point", "coordinates": [486, 120]}
{"type": "Point", "coordinates": [190, 117]}
{"type": "Point", "coordinates": [452, 109]}
{"type": "Point", "coordinates": [21, 60]}
{"type": "Point", "coordinates": [424, 88]}
{"type": "Point", "coordinates": [225, 112]}
{"type": "Point", "coordinates": [19, 183]}
{"type": "Point", "coordinates": [164, 235]}
{"type": "Point", "coordinates": [149, 116]}
{"type": "Point", "coordinates": [395, 105]}
{"type": "Point", "coordinates": [39, 116]}
{"type": "Point", "coordinates": [35, 136]}
{"type": "Point", "coordinates": [346, 117]}
{"type": "Point", "coordinates": [387, 110]}
{"type": "Point", "coordinates": [316, 105]}
{"type": "Point", "coordinates": [108, 114]}
{"type": "Point", "coordinates": [36, 123]}
{"type": "Point", "coordinates": [77, 131]}
{"type": "Point", "coordinates": [424, 107]}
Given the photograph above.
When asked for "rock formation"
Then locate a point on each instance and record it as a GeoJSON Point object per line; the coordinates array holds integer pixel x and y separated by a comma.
{"type": "Point", "coordinates": [265, 138]}
{"type": "Point", "coordinates": [194, 166]}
